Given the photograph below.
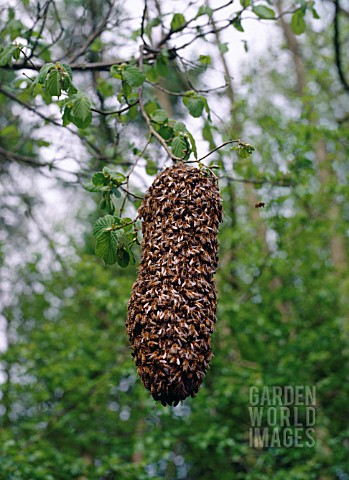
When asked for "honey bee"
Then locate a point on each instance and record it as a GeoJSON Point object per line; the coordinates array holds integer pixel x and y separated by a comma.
{"type": "Point", "coordinates": [259, 205]}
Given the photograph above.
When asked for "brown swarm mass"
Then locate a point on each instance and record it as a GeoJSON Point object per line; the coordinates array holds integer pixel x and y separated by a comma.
{"type": "Point", "coordinates": [172, 309]}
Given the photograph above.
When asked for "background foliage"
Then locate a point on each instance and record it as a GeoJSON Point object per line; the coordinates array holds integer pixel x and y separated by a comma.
{"type": "Point", "coordinates": [71, 405]}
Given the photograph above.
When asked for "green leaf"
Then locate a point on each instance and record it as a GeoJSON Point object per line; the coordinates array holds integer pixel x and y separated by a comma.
{"type": "Point", "coordinates": [68, 70]}
{"type": "Point", "coordinates": [115, 71]}
{"type": "Point", "coordinates": [16, 54]}
{"type": "Point", "coordinates": [7, 53]}
{"type": "Point", "coordinates": [204, 10]}
{"type": "Point", "coordinates": [315, 14]}
{"type": "Point", "coordinates": [91, 188]}
{"type": "Point", "coordinates": [72, 89]}
{"type": "Point", "coordinates": [106, 247]}
{"type": "Point", "coordinates": [117, 176]}
{"type": "Point", "coordinates": [263, 12]}
{"type": "Point", "coordinates": [244, 149]}
{"type": "Point", "coordinates": [178, 21]}
{"type": "Point", "coordinates": [236, 22]}
{"type": "Point", "coordinates": [207, 108]}
{"type": "Point", "coordinates": [9, 132]}
{"type": "Point", "coordinates": [150, 107]}
{"type": "Point", "coordinates": [33, 90]}
{"type": "Point", "coordinates": [245, 3]}
{"type": "Point", "coordinates": [53, 83]}
{"type": "Point", "coordinates": [105, 88]}
{"type": "Point", "coordinates": [44, 71]}
{"type": "Point", "coordinates": [123, 257]}
{"type": "Point", "coordinates": [193, 144]}
{"type": "Point", "coordinates": [159, 116]}
{"type": "Point", "coordinates": [116, 192]}
{"type": "Point", "coordinates": [297, 22]}
{"type": "Point", "coordinates": [151, 167]}
{"type": "Point", "coordinates": [151, 24]}
{"type": "Point", "coordinates": [42, 143]}
{"type": "Point", "coordinates": [81, 111]}
{"type": "Point", "coordinates": [162, 66]}
{"type": "Point", "coordinates": [109, 205]}
{"type": "Point", "coordinates": [102, 224]}
{"type": "Point", "coordinates": [99, 179]}
{"type": "Point", "coordinates": [133, 76]}
{"type": "Point", "coordinates": [46, 54]}
{"type": "Point", "coordinates": [67, 118]}
{"type": "Point", "coordinates": [207, 134]}
{"type": "Point", "coordinates": [127, 225]}
{"type": "Point", "coordinates": [223, 48]}
{"type": "Point", "coordinates": [126, 89]}
{"type": "Point", "coordinates": [195, 105]}
{"type": "Point", "coordinates": [179, 127]}
{"type": "Point", "coordinates": [179, 147]}
{"type": "Point", "coordinates": [205, 59]}
{"type": "Point", "coordinates": [166, 132]}
{"type": "Point", "coordinates": [66, 82]}
{"type": "Point", "coordinates": [151, 73]}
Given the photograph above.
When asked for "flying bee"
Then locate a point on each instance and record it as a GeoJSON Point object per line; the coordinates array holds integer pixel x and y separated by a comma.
{"type": "Point", "coordinates": [259, 205]}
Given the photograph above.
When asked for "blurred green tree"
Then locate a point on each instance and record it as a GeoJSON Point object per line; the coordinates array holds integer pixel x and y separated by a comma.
{"type": "Point", "coordinates": [71, 404]}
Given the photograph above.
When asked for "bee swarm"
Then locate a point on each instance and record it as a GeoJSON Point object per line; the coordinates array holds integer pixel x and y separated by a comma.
{"type": "Point", "coordinates": [172, 309]}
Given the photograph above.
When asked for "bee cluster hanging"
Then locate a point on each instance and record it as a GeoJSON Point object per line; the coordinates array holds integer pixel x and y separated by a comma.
{"type": "Point", "coordinates": [172, 309]}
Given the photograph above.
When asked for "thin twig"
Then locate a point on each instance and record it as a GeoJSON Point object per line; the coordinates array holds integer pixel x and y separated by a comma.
{"type": "Point", "coordinates": [130, 193]}
{"type": "Point", "coordinates": [131, 171]}
{"type": "Point", "coordinates": [139, 157]}
{"type": "Point", "coordinates": [217, 148]}
{"type": "Point", "coordinates": [29, 161]}
{"type": "Point", "coordinates": [261, 181]}
{"type": "Point", "coordinates": [184, 94]}
{"type": "Point", "coordinates": [28, 59]}
{"type": "Point", "coordinates": [145, 9]}
{"type": "Point", "coordinates": [115, 112]}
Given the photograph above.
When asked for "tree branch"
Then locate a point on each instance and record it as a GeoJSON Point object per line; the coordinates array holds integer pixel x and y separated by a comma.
{"type": "Point", "coordinates": [79, 66]}
{"type": "Point", "coordinates": [337, 46]}
{"type": "Point", "coordinates": [260, 181]}
{"type": "Point", "coordinates": [31, 162]}
{"type": "Point", "coordinates": [116, 112]}
{"type": "Point", "coordinates": [218, 148]}
{"type": "Point", "coordinates": [183, 94]}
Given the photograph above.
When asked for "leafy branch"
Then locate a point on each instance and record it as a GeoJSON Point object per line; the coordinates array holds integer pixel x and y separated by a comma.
{"type": "Point", "coordinates": [115, 236]}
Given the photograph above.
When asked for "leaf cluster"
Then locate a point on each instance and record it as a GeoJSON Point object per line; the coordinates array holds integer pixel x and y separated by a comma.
{"type": "Point", "coordinates": [8, 53]}
{"type": "Point", "coordinates": [114, 239]}
{"type": "Point", "coordinates": [244, 150]}
{"type": "Point", "coordinates": [108, 182]}
{"type": "Point", "coordinates": [115, 236]}
{"type": "Point", "coordinates": [55, 79]}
